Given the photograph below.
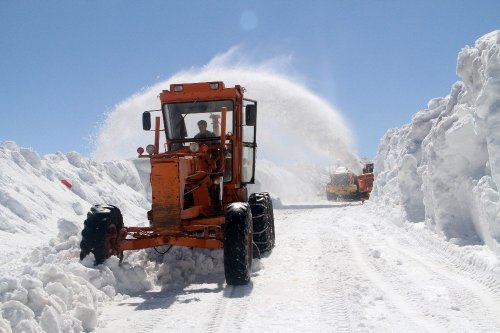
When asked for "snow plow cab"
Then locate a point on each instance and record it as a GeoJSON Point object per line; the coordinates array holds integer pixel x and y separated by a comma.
{"type": "Point", "coordinates": [198, 180]}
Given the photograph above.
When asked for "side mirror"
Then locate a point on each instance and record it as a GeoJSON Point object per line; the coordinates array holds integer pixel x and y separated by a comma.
{"type": "Point", "coordinates": [146, 121]}
{"type": "Point", "coordinates": [251, 114]}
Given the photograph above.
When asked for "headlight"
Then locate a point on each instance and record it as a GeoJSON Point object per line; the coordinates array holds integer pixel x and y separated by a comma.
{"type": "Point", "coordinates": [150, 149]}
{"type": "Point", "coordinates": [194, 146]}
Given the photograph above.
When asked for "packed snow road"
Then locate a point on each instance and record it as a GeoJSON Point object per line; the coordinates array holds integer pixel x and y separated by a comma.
{"type": "Point", "coordinates": [337, 269]}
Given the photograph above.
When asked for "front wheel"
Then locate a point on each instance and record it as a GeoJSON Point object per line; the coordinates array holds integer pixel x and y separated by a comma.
{"type": "Point", "coordinates": [238, 244]}
{"type": "Point", "coordinates": [100, 232]}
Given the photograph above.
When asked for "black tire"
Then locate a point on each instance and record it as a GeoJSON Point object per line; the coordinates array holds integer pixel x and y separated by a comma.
{"type": "Point", "coordinates": [102, 221]}
{"type": "Point", "coordinates": [238, 244]}
{"type": "Point", "coordinates": [262, 221]}
{"type": "Point", "coordinates": [271, 218]}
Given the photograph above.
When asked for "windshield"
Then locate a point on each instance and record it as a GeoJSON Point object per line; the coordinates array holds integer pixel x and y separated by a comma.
{"type": "Point", "coordinates": [196, 120]}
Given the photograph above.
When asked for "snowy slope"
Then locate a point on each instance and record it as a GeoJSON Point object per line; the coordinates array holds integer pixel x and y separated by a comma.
{"type": "Point", "coordinates": [444, 167]}
{"type": "Point", "coordinates": [48, 198]}
{"type": "Point", "coordinates": [33, 197]}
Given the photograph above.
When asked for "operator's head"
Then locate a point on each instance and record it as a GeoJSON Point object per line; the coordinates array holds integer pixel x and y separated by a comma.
{"type": "Point", "coordinates": [202, 125]}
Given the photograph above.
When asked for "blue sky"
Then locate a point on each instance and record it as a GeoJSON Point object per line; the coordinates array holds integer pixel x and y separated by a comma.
{"type": "Point", "coordinates": [64, 64]}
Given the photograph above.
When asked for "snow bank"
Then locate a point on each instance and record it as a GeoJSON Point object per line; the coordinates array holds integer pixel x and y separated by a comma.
{"type": "Point", "coordinates": [54, 292]}
{"type": "Point", "coordinates": [40, 197]}
{"type": "Point", "coordinates": [33, 195]}
{"type": "Point", "coordinates": [444, 167]}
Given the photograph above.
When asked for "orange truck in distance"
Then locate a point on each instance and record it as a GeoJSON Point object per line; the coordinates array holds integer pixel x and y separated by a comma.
{"type": "Point", "coordinates": [345, 185]}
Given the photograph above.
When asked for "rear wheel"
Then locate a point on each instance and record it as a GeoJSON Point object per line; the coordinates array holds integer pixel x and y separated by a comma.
{"type": "Point", "coordinates": [271, 219]}
{"type": "Point", "coordinates": [263, 221]}
{"type": "Point", "coordinates": [238, 244]}
{"type": "Point", "coordinates": [100, 232]}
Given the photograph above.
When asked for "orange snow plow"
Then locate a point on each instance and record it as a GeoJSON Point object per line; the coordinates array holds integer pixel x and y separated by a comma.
{"type": "Point", "coordinates": [345, 185]}
{"type": "Point", "coordinates": [198, 180]}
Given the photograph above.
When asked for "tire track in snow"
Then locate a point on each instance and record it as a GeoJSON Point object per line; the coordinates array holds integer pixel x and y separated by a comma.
{"type": "Point", "coordinates": [464, 274]}
{"type": "Point", "coordinates": [468, 292]}
{"type": "Point", "coordinates": [230, 311]}
{"type": "Point", "coordinates": [326, 285]}
{"type": "Point", "coordinates": [334, 308]}
{"type": "Point", "coordinates": [164, 311]}
{"type": "Point", "coordinates": [218, 315]}
{"type": "Point", "coordinates": [421, 323]}
{"type": "Point", "coordinates": [462, 261]}
{"type": "Point", "coordinates": [149, 320]}
{"type": "Point", "coordinates": [339, 309]}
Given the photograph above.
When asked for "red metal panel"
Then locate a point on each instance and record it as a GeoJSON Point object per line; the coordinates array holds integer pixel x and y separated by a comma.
{"type": "Point", "coordinates": [166, 192]}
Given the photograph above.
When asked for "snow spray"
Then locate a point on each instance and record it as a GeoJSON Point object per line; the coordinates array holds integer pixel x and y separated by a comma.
{"type": "Point", "coordinates": [295, 126]}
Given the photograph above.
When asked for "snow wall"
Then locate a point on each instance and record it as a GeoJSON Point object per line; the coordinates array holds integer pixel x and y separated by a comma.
{"type": "Point", "coordinates": [444, 167]}
{"type": "Point", "coordinates": [33, 196]}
